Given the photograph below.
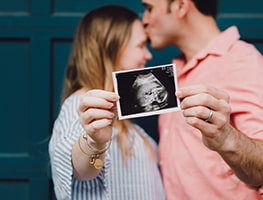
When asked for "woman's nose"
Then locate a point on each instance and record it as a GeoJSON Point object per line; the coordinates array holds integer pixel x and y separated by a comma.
{"type": "Point", "coordinates": [148, 55]}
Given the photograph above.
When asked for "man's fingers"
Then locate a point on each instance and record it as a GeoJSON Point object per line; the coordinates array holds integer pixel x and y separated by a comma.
{"type": "Point", "coordinates": [202, 89]}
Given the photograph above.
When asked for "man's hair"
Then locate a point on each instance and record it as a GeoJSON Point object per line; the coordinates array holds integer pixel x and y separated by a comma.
{"type": "Point", "coordinates": [207, 7]}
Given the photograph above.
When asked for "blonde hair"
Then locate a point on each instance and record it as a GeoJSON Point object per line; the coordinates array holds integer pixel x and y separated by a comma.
{"type": "Point", "coordinates": [100, 38]}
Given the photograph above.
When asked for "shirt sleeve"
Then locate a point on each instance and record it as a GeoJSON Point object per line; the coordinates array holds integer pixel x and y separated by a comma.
{"type": "Point", "coordinates": [65, 132]}
{"type": "Point", "coordinates": [246, 94]}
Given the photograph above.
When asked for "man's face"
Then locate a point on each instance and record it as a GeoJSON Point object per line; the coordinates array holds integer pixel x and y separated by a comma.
{"type": "Point", "coordinates": [159, 23]}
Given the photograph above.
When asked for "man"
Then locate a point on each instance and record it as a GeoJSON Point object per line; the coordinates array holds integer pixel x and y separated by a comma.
{"type": "Point", "coordinates": [213, 149]}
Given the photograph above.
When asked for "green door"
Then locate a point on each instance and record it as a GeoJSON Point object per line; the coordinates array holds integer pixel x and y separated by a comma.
{"type": "Point", "coordinates": [35, 39]}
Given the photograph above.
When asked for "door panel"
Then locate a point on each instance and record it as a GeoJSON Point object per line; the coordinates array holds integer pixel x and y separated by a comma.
{"type": "Point", "coordinates": [35, 40]}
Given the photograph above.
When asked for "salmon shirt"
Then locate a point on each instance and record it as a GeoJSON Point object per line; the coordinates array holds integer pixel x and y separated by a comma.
{"type": "Point", "coordinates": [190, 170]}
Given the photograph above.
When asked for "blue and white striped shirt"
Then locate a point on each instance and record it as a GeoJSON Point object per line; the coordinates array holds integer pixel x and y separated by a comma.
{"type": "Point", "coordinates": [138, 179]}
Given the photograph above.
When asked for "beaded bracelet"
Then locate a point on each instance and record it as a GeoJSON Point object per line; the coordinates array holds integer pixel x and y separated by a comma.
{"type": "Point", "coordinates": [94, 158]}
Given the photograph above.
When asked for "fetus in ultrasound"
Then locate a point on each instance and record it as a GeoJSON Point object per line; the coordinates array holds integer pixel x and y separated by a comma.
{"type": "Point", "coordinates": [150, 93]}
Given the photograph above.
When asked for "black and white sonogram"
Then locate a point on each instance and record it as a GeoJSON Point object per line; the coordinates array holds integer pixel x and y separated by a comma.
{"type": "Point", "coordinates": [147, 91]}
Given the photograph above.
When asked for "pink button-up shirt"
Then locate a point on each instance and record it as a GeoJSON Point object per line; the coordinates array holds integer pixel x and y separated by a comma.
{"type": "Point", "coordinates": [190, 170]}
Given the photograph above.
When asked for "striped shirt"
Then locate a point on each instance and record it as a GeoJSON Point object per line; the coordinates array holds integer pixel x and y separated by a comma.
{"type": "Point", "coordinates": [138, 179]}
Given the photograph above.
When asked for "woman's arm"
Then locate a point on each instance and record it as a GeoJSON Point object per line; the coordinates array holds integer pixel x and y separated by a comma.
{"type": "Point", "coordinates": [96, 113]}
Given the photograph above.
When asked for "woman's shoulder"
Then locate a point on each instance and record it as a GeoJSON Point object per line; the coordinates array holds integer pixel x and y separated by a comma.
{"type": "Point", "coordinates": [71, 100]}
{"type": "Point", "coordinates": [69, 107]}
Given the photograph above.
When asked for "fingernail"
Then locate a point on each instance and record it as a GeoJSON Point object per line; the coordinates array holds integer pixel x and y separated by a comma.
{"type": "Point", "coordinates": [178, 93]}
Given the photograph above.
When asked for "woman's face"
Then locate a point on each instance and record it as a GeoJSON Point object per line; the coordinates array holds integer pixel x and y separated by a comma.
{"type": "Point", "coordinates": [135, 54]}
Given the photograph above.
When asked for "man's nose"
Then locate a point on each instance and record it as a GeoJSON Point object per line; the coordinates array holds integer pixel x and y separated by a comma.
{"type": "Point", "coordinates": [145, 19]}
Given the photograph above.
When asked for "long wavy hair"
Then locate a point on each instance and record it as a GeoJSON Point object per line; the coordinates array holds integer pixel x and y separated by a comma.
{"type": "Point", "coordinates": [99, 40]}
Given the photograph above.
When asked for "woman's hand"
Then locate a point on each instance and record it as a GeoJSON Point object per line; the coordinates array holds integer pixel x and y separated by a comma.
{"type": "Point", "coordinates": [97, 110]}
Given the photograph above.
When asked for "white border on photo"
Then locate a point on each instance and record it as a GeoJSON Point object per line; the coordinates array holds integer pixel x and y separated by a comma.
{"type": "Point", "coordinates": [123, 80]}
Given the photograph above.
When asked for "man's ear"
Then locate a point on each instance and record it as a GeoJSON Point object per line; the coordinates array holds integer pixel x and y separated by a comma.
{"type": "Point", "coordinates": [180, 7]}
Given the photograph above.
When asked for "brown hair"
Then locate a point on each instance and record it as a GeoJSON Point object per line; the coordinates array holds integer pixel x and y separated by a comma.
{"type": "Point", "coordinates": [207, 7]}
{"type": "Point", "coordinates": [100, 38]}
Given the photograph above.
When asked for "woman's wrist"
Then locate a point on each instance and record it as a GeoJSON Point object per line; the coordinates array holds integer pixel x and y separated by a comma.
{"type": "Point", "coordinates": [94, 153]}
{"type": "Point", "coordinates": [93, 145]}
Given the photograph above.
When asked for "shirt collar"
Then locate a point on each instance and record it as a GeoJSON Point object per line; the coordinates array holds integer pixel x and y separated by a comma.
{"type": "Point", "coordinates": [218, 46]}
{"type": "Point", "coordinates": [222, 43]}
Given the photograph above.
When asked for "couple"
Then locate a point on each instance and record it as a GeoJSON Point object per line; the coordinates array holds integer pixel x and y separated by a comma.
{"type": "Point", "coordinates": [210, 150]}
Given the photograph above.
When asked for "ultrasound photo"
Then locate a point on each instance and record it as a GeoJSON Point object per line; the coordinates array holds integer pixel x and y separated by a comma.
{"type": "Point", "coordinates": [147, 91]}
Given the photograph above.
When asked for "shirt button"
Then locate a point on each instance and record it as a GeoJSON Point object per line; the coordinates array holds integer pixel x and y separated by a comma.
{"type": "Point", "coordinates": [230, 172]}
{"type": "Point", "coordinates": [166, 131]}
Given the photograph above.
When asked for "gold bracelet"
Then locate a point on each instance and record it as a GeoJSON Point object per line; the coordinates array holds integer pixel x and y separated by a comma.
{"type": "Point", "coordinates": [94, 158]}
{"type": "Point", "coordinates": [94, 149]}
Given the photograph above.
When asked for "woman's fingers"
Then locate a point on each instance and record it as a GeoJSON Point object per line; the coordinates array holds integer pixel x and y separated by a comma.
{"type": "Point", "coordinates": [96, 111]}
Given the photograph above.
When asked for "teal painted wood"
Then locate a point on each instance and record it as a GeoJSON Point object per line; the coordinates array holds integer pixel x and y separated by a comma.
{"type": "Point", "coordinates": [35, 40]}
{"type": "Point", "coordinates": [82, 6]}
{"type": "Point", "coordinates": [241, 6]}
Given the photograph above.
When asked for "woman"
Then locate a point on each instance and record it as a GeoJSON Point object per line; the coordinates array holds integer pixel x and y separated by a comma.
{"type": "Point", "coordinates": [94, 155]}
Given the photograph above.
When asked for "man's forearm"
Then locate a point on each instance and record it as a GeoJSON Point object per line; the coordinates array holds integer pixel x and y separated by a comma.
{"type": "Point", "coordinates": [245, 156]}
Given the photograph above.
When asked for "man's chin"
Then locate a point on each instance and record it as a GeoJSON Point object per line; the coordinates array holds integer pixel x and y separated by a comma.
{"type": "Point", "coordinates": [156, 47]}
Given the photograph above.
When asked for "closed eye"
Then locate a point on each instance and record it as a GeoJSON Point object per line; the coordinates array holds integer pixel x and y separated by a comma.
{"type": "Point", "coordinates": [147, 7]}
